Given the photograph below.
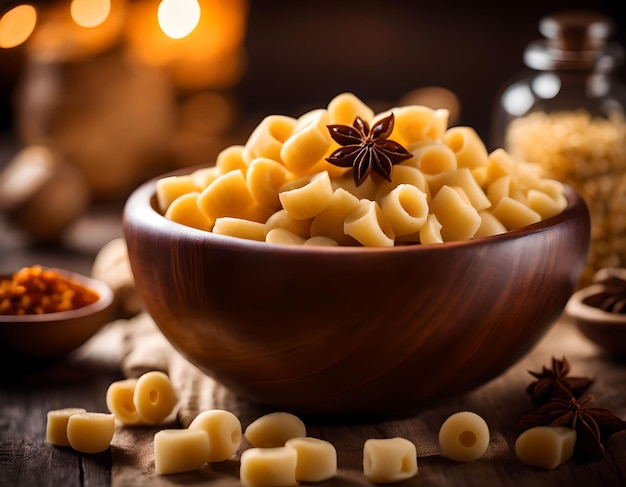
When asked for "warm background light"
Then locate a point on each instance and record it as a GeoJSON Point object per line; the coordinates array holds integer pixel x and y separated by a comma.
{"type": "Point", "coordinates": [61, 35]}
{"type": "Point", "coordinates": [17, 25]}
{"type": "Point", "coordinates": [210, 56]}
{"type": "Point", "coordinates": [178, 18]}
{"type": "Point", "coordinates": [90, 13]}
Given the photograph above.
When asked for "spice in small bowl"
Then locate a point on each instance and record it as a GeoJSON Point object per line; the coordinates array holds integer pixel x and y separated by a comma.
{"type": "Point", "coordinates": [46, 313]}
{"type": "Point", "coordinates": [599, 310]}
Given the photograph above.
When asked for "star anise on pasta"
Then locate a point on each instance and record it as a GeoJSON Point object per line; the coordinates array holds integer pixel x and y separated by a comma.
{"type": "Point", "coordinates": [593, 425]}
{"type": "Point", "coordinates": [365, 150]}
{"type": "Point", "coordinates": [555, 382]}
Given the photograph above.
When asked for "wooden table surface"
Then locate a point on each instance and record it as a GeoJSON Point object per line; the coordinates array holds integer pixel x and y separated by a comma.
{"type": "Point", "coordinates": [26, 396]}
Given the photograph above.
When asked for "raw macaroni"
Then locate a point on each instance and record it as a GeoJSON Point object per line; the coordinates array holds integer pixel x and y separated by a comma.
{"type": "Point", "coordinates": [469, 193]}
{"type": "Point", "coordinates": [180, 450]}
{"type": "Point", "coordinates": [154, 397]}
{"type": "Point", "coordinates": [56, 425]}
{"type": "Point", "coordinates": [148, 399]}
{"type": "Point", "coordinates": [546, 446]}
{"type": "Point", "coordinates": [389, 460]}
{"type": "Point", "coordinates": [262, 467]}
{"type": "Point", "coordinates": [90, 432]}
{"type": "Point", "coordinates": [274, 429]}
{"type": "Point", "coordinates": [224, 431]}
{"type": "Point", "coordinates": [464, 436]}
{"type": "Point", "coordinates": [316, 459]}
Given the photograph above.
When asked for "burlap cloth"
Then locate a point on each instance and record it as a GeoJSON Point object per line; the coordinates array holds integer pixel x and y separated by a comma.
{"type": "Point", "coordinates": [135, 346]}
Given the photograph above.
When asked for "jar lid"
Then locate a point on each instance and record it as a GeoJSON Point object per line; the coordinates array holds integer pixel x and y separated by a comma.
{"type": "Point", "coordinates": [577, 30]}
{"type": "Point", "coordinates": [575, 40]}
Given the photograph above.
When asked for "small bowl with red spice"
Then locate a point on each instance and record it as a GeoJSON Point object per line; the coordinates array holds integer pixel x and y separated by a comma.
{"type": "Point", "coordinates": [599, 310]}
{"type": "Point", "coordinates": [46, 313]}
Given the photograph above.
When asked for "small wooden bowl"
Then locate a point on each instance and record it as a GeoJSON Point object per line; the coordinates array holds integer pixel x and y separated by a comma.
{"type": "Point", "coordinates": [325, 330]}
{"type": "Point", "coordinates": [606, 329]}
{"type": "Point", "coordinates": [51, 336]}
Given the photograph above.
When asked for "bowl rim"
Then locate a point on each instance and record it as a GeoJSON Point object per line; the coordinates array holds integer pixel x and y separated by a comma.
{"type": "Point", "coordinates": [141, 208]}
{"type": "Point", "coordinates": [105, 300]}
{"type": "Point", "coordinates": [581, 312]}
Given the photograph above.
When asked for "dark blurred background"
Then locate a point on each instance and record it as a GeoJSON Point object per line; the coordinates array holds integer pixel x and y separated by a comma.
{"type": "Point", "coordinates": [302, 53]}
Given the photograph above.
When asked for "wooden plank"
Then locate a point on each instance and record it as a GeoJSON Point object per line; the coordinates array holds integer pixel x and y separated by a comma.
{"type": "Point", "coordinates": [26, 459]}
{"type": "Point", "coordinates": [25, 456]}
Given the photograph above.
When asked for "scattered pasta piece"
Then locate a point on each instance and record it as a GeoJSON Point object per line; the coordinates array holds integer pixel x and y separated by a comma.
{"type": "Point", "coordinates": [262, 467]}
{"type": "Point", "coordinates": [180, 450]}
{"type": "Point", "coordinates": [224, 432]}
{"type": "Point", "coordinates": [119, 400]}
{"type": "Point", "coordinates": [56, 425]}
{"type": "Point", "coordinates": [545, 446]}
{"type": "Point", "coordinates": [90, 432]}
{"type": "Point", "coordinates": [280, 453]}
{"type": "Point", "coordinates": [154, 397]}
{"type": "Point", "coordinates": [464, 436]}
{"type": "Point", "coordinates": [317, 459]}
{"type": "Point", "coordinates": [389, 460]}
{"type": "Point", "coordinates": [274, 429]}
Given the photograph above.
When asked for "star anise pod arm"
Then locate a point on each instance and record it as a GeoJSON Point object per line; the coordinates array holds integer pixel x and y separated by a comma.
{"type": "Point", "coordinates": [556, 382]}
{"type": "Point", "coordinates": [607, 421]}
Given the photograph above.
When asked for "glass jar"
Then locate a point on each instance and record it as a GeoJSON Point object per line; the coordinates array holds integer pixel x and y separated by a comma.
{"type": "Point", "coordinates": [567, 113]}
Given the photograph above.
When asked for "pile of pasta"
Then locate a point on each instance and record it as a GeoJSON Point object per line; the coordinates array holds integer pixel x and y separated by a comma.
{"type": "Point", "coordinates": [279, 188]}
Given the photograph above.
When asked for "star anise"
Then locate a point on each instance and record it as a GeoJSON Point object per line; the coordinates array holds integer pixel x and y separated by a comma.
{"type": "Point", "coordinates": [593, 425]}
{"type": "Point", "coordinates": [556, 383]}
{"type": "Point", "coordinates": [611, 296]}
{"type": "Point", "coordinates": [364, 150]}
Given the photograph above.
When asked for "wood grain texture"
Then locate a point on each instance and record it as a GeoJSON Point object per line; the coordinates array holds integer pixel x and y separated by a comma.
{"type": "Point", "coordinates": [25, 398]}
{"type": "Point", "coordinates": [26, 459]}
{"type": "Point", "coordinates": [344, 330]}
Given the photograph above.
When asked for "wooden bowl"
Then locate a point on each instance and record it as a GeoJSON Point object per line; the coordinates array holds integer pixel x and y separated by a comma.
{"type": "Point", "coordinates": [326, 330]}
{"type": "Point", "coordinates": [51, 336]}
{"type": "Point", "coordinates": [605, 328]}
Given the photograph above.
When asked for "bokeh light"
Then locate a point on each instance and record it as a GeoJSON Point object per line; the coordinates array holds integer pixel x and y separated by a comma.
{"type": "Point", "coordinates": [17, 25]}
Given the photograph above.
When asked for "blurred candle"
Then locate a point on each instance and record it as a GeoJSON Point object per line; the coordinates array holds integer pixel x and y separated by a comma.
{"type": "Point", "coordinates": [77, 31]}
{"type": "Point", "coordinates": [211, 54]}
{"type": "Point", "coordinates": [90, 13]}
{"type": "Point", "coordinates": [17, 25]}
{"type": "Point", "coordinates": [178, 18]}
